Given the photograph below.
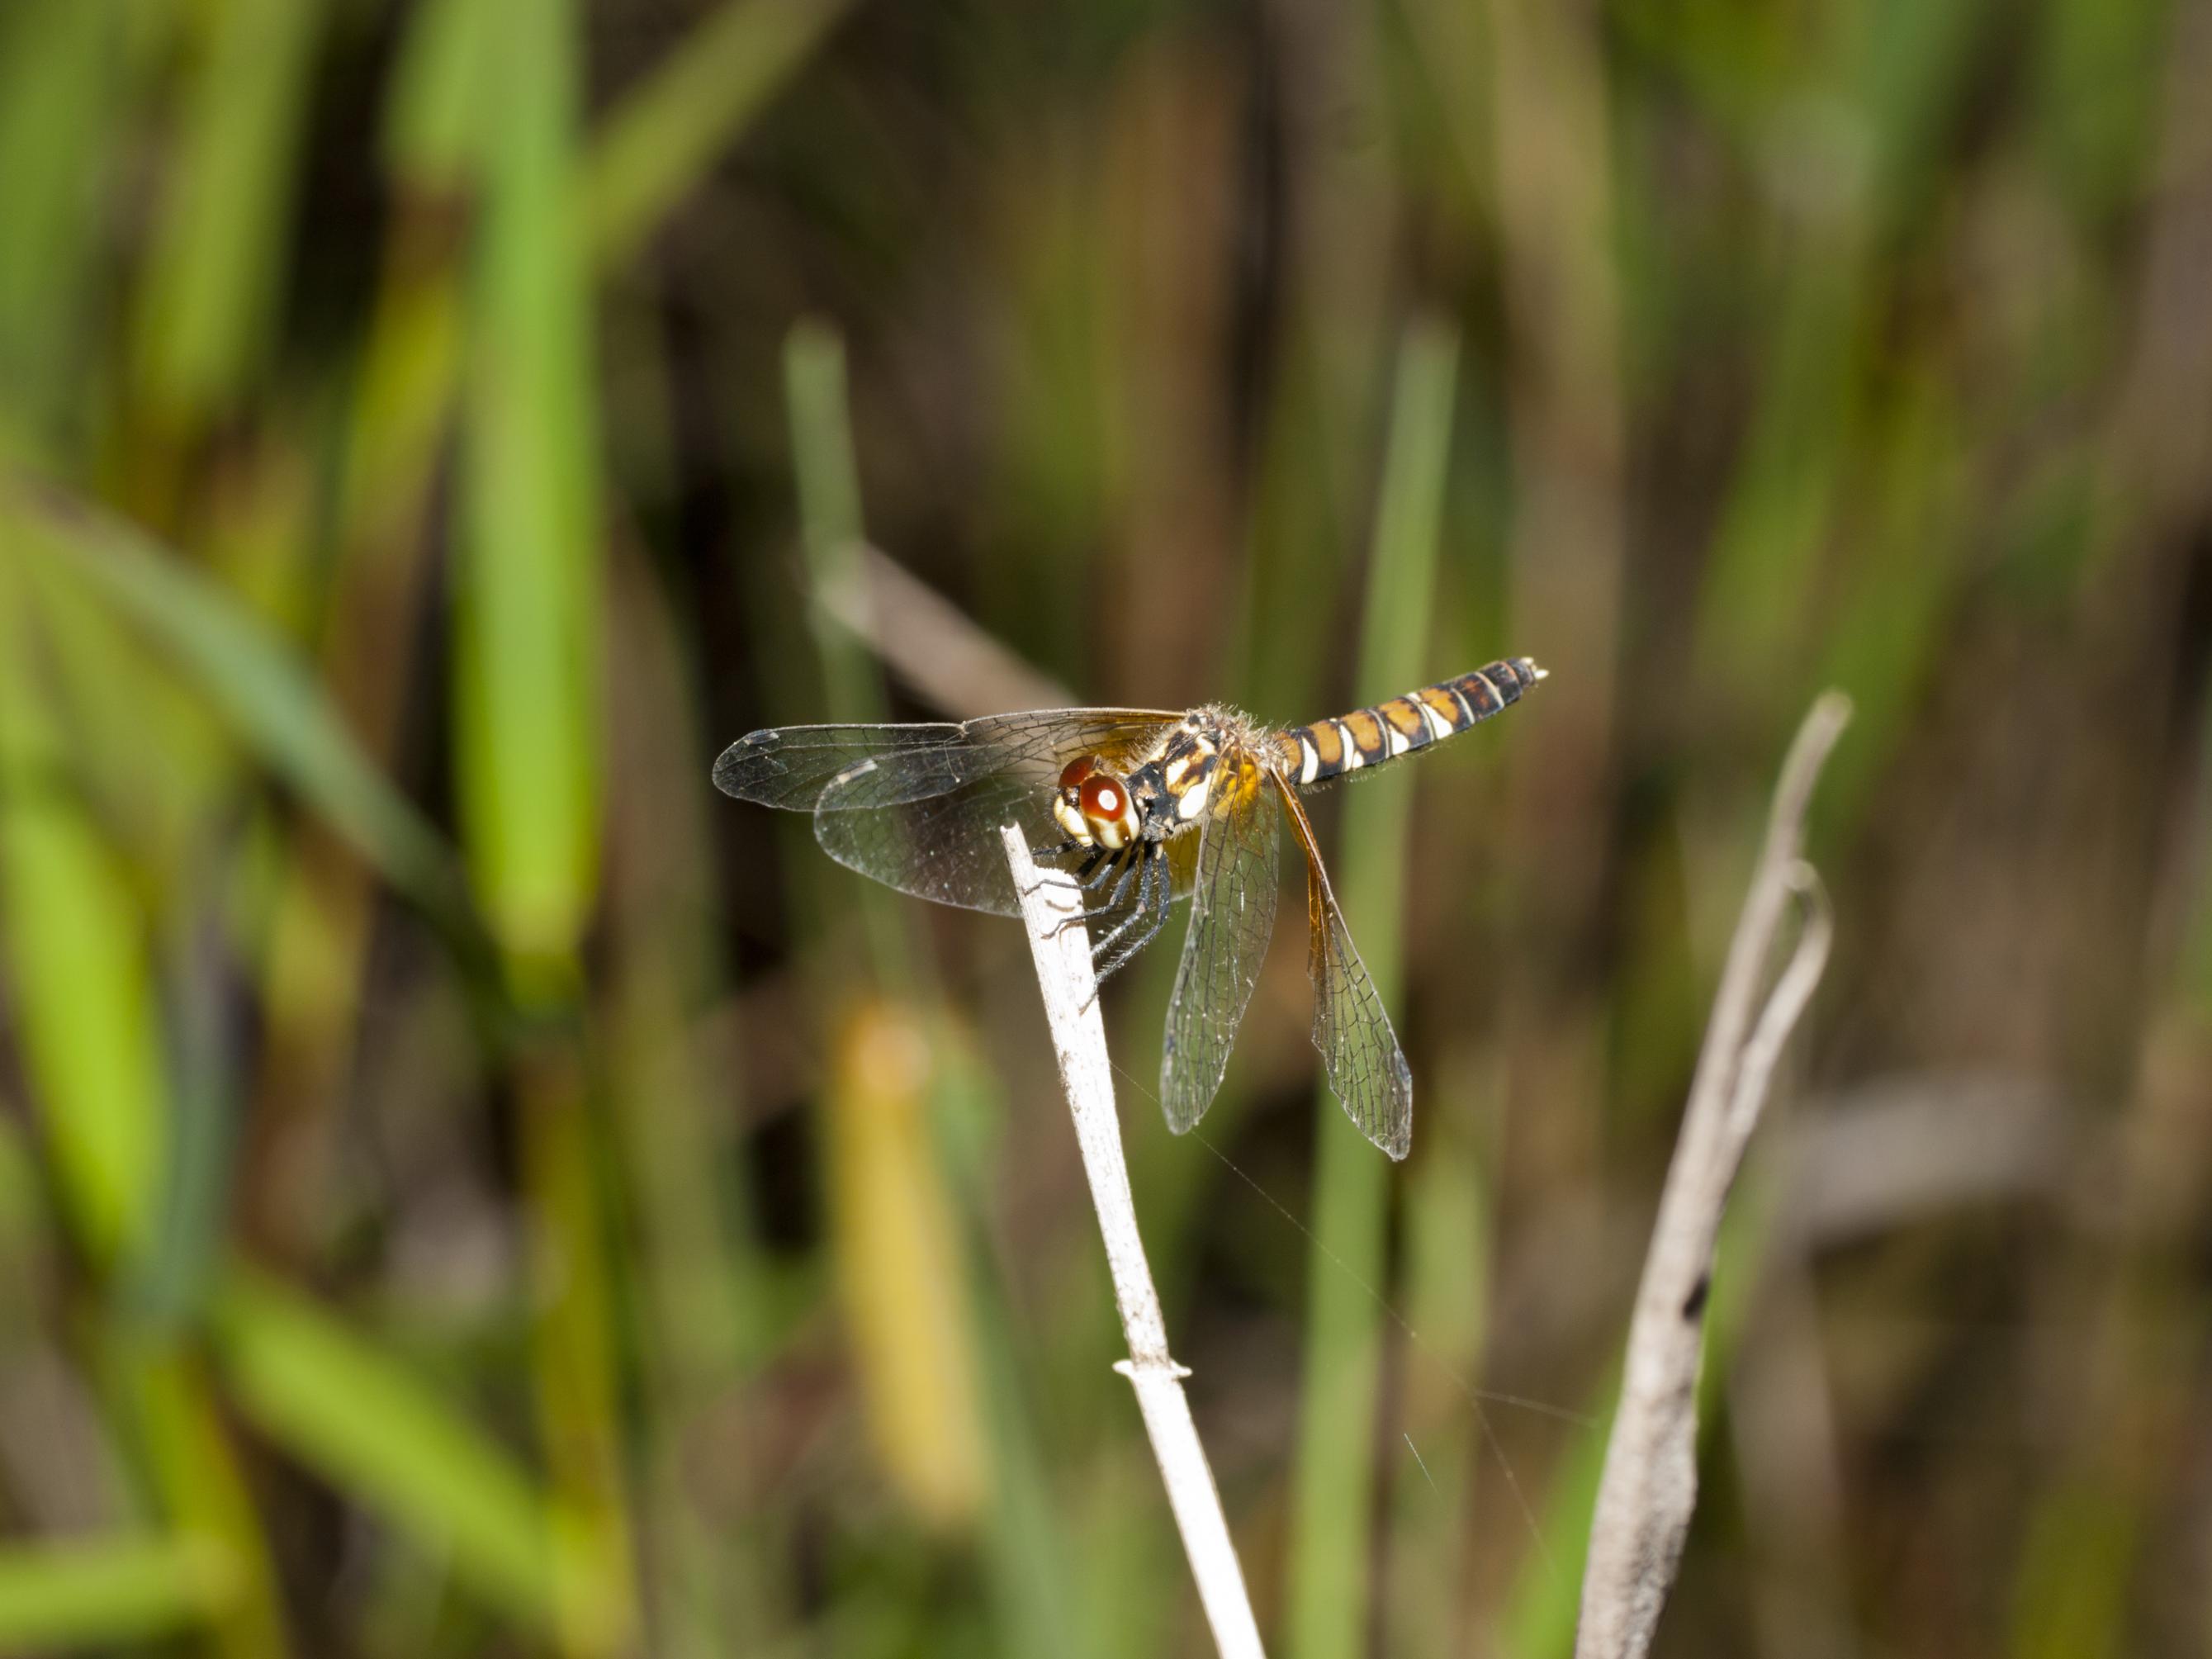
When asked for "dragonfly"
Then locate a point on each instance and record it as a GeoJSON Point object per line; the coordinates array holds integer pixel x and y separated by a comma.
{"type": "Point", "coordinates": [1144, 807]}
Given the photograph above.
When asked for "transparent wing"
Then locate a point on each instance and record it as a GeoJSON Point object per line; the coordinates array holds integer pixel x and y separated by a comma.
{"type": "Point", "coordinates": [1232, 916]}
{"type": "Point", "coordinates": [1367, 1069]}
{"type": "Point", "coordinates": [920, 807]}
{"type": "Point", "coordinates": [945, 846]}
{"type": "Point", "coordinates": [794, 766]}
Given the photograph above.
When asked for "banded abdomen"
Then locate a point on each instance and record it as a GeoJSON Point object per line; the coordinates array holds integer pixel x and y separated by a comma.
{"type": "Point", "coordinates": [1369, 737]}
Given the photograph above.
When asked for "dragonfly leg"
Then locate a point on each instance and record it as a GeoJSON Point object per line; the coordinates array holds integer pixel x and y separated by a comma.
{"type": "Point", "coordinates": [1128, 951]}
{"type": "Point", "coordinates": [1100, 946]}
{"type": "Point", "coordinates": [1121, 888]}
{"type": "Point", "coordinates": [1153, 896]}
{"type": "Point", "coordinates": [1099, 880]}
{"type": "Point", "coordinates": [1081, 871]}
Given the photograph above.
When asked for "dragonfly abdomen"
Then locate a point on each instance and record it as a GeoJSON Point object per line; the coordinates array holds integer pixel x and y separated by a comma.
{"type": "Point", "coordinates": [1369, 737]}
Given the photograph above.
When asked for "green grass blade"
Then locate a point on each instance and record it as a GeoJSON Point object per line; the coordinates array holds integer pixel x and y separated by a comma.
{"type": "Point", "coordinates": [187, 1446]}
{"type": "Point", "coordinates": [1333, 1500]}
{"type": "Point", "coordinates": [75, 946]}
{"type": "Point", "coordinates": [59, 98]}
{"type": "Point", "coordinates": [210, 294]}
{"type": "Point", "coordinates": [264, 692]}
{"type": "Point", "coordinates": [528, 652]}
{"type": "Point", "coordinates": [432, 138]}
{"type": "Point", "coordinates": [529, 655]}
{"type": "Point", "coordinates": [829, 512]}
{"type": "Point", "coordinates": [383, 1439]}
{"type": "Point", "coordinates": [111, 1590]}
{"type": "Point", "coordinates": [664, 136]}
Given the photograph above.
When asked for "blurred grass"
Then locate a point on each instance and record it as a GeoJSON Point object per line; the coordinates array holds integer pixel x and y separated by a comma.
{"type": "Point", "coordinates": [339, 1404]}
{"type": "Point", "coordinates": [215, 270]}
{"type": "Point", "coordinates": [118, 1589]}
{"type": "Point", "coordinates": [922, 1299]}
{"type": "Point", "coordinates": [1334, 1503]}
{"type": "Point", "coordinates": [437, 1209]}
{"type": "Point", "coordinates": [654, 145]}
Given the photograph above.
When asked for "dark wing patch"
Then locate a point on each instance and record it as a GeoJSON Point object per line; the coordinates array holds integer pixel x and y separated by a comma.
{"type": "Point", "coordinates": [1232, 917]}
{"type": "Point", "coordinates": [1367, 1070]}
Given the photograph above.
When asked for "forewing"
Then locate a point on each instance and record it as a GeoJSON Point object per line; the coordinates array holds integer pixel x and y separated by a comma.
{"type": "Point", "coordinates": [794, 766]}
{"type": "Point", "coordinates": [1232, 916]}
{"type": "Point", "coordinates": [943, 846]}
{"type": "Point", "coordinates": [920, 807]}
{"type": "Point", "coordinates": [1367, 1070]}
{"type": "Point", "coordinates": [790, 766]}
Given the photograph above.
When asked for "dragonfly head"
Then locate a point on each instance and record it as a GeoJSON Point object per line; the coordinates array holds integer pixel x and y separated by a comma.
{"type": "Point", "coordinates": [1095, 805]}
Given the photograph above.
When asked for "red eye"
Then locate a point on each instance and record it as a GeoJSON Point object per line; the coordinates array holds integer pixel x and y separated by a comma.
{"type": "Point", "coordinates": [1073, 775]}
{"type": "Point", "coordinates": [1102, 798]}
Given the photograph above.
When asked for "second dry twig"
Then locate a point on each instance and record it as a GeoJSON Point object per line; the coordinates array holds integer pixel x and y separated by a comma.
{"type": "Point", "coordinates": [1650, 1483]}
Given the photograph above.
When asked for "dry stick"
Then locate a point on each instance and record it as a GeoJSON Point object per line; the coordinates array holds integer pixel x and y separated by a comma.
{"type": "Point", "coordinates": [1079, 1037]}
{"type": "Point", "coordinates": [1650, 1483]}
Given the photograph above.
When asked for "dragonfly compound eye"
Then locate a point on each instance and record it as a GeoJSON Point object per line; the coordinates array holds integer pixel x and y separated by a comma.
{"type": "Point", "coordinates": [1103, 799]}
{"type": "Point", "coordinates": [1108, 809]}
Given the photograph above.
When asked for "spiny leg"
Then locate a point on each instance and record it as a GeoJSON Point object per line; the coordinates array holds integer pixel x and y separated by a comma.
{"type": "Point", "coordinates": [1154, 896]}
{"type": "Point", "coordinates": [1080, 872]}
{"type": "Point", "coordinates": [1099, 880]}
{"type": "Point", "coordinates": [1100, 946]}
{"type": "Point", "coordinates": [1121, 888]}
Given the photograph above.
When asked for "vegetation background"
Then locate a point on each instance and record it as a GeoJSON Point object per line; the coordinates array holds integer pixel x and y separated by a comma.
{"type": "Point", "coordinates": [465, 1189]}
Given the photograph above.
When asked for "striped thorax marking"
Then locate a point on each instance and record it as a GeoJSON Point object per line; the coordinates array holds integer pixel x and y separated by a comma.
{"type": "Point", "coordinates": [1190, 799]}
{"type": "Point", "coordinates": [1186, 770]}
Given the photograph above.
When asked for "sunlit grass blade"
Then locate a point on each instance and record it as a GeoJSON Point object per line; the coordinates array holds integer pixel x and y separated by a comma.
{"type": "Point", "coordinates": [1333, 1498]}
{"type": "Point", "coordinates": [383, 1438]}
{"type": "Point", "coordinates": [100, 1591]}
{"type": "Point", "coordinates": [530, 589]}
{"type": "Point", "coordinates": [187, 1443]}
{"type": "Point", "coordinates": [75, 949]}
{"type": "Point", "coordinates": [664, 135]}
{"type": "Point", "coordinates": [261, 688]}
{"type": "Point", "coordinates": [527, 581]}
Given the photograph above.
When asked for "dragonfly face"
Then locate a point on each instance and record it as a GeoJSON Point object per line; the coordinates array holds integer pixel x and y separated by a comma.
{"type": "Point", "coordinates": [1144, 807]}
{"type": "Point", "coordinates": [1101, 808]}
